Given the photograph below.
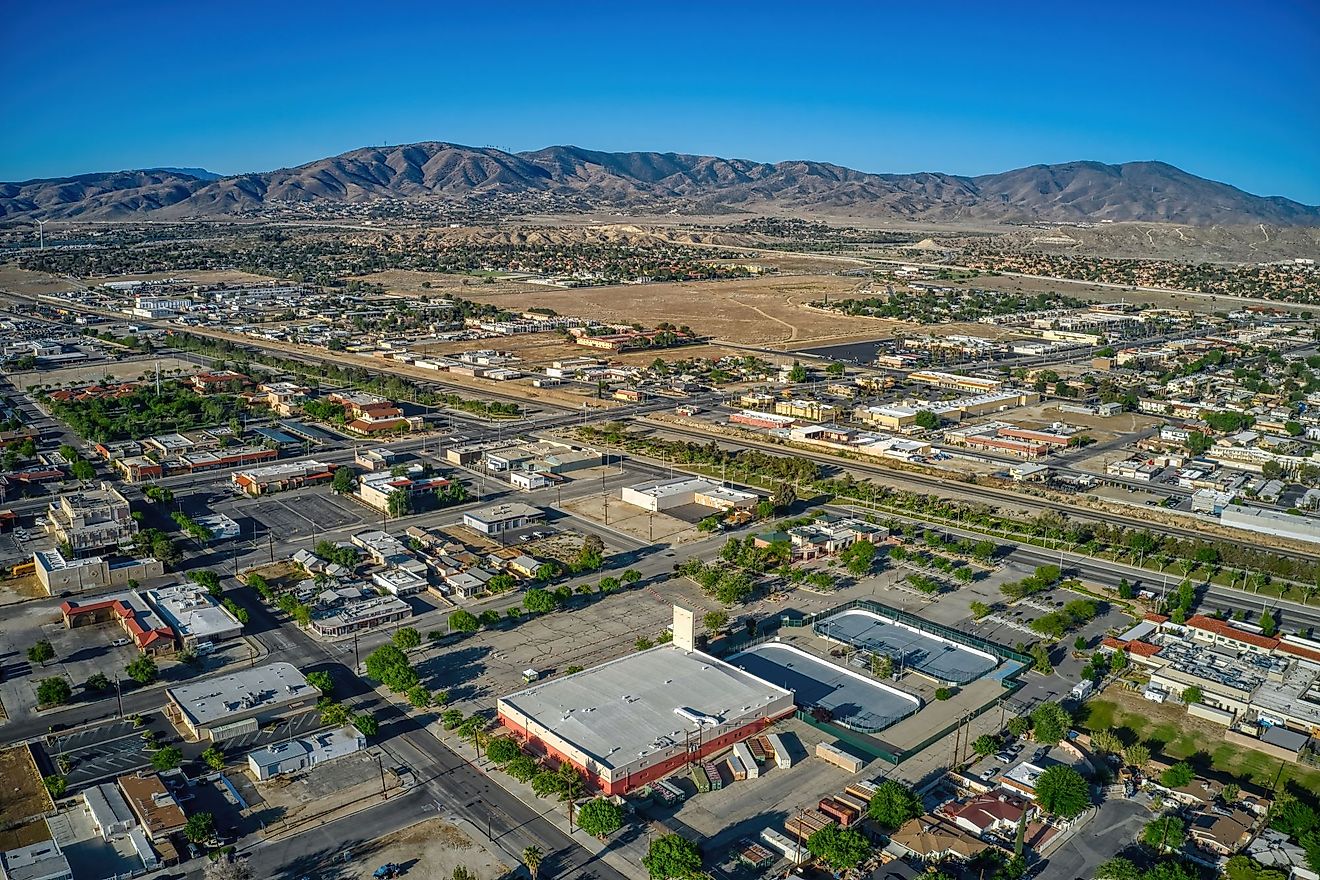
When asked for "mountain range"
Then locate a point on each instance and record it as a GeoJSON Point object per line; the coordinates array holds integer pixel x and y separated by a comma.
{"type": "Point", "coordinates": [567, 178]}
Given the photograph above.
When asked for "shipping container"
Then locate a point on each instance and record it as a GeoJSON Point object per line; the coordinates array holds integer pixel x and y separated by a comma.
{"type": "Point", "coordinates": [748, 760]}
{"type": "Point", "coordinates": [854, 802]}
{"type": "Point", "coordinates": [736, 769]}
{"type": "Point", "coordinates": [782, 758]}
{"type": "Point", "coordinates": [713, 777]}
{"type": "Point", "coordinates": [839, 758]}
{"type": "Point", "coordinates": [699, 777]}
{"type": "Point", "coordinates": [760, 749]}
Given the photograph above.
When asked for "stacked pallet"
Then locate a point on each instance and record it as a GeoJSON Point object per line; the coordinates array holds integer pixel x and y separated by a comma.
{"type": "Point", "coordinates": [839, 758]}
{"type": "Point", "coordinates": [753, 854]}
{"type": "Point", "coordinates": [807, 823]}
{"type": "Point", "coordinates": [863, 791]}
{"type": "Point", "coordinates": [759, 746]}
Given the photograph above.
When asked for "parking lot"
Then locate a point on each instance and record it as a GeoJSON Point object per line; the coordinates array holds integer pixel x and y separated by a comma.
{"type": "Point", "coordinates": [291, 515]}
{"type": "Point", "coordinates": [102, 751]}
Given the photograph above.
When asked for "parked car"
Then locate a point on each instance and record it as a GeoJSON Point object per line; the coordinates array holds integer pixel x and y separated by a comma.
{"type": "Point", "coordinates": [119, 643]}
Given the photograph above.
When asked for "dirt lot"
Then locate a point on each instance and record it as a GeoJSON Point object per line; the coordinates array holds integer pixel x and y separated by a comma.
{"type": "Point", "coordinates": [430, 849]}
{"type": "Point", "coordinates": [24, 793]}
{"type": "Point", "coordinates": [29, 283]}
{"type": "Point", "coordinates": [193, 276]}
{"type": "Point", "coordinates": [635, 521]}
{"type": "Point", "coordinates": [753, 311]}
{"type": "Point", "coordinates": [107, 371]}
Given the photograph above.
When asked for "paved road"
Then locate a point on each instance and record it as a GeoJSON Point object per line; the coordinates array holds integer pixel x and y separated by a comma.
{"type": "Point", "coordinates": [1112, 829]}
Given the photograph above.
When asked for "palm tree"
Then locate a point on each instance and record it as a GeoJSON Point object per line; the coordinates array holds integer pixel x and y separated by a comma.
{"type": "Point", "coordinates": [532, 857]}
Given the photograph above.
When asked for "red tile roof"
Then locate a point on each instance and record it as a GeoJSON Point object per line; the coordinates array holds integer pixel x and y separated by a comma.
{"type": "Point", "coordinates": [1219, 627]}
{"type": "Point", "coordinates": [1140, 648]}
{"type": "Point", "coordinates": [1299, 651]}
{"type": "Point", "coordinates": [1157, 618]}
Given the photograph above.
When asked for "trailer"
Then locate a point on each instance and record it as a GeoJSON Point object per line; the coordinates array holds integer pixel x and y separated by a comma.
{"type": "Point", "coordinates": [839, 758]}
{"type": "Point", "coordinates": [783, 760]}
{"type": "Point", "coordinates": [737, 771]}
{"type": "Point", "coordinates": [744, 754]}
{"type": "Point", "coordinates": [668, 793]}
{"type": "Point", "coordinates": [793, 850]}
{"type": "Point", "coordinates": [713, 777]}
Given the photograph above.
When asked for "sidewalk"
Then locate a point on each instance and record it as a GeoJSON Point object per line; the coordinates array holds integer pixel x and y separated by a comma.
{"type": "Point", "coordinates": [624, 857]}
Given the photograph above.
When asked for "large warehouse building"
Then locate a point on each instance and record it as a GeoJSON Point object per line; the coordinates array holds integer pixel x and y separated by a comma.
{"type": "Point", "coordinates": [638, 718]}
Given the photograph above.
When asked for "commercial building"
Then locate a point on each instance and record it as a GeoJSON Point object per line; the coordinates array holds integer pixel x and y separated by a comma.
{"type": "Point", "coordinates": [1272, 522]}
{"type": "Point", "coordinates": [658, 495]}
{"type": "Point", "coordinates": [156, 810]}
{"type": "Point", "coordinates": [30, 852]}
{"type": "Point", "coordinates": [300, 754]}
{"type": "Point", "coordinates": [951, 381]}
{"type": "Point", "coordinates": [239, 703]}
{"type": "Point", "coordinates": [194, 615]}
{"type": "Point", "coordinates": [355, 615]}
{"type": "Point", "coordinates": [109, 811]}
{"type": "Point", "coordinates": [139, 621]}
{"type": "Point", "coordinates": [500, 518]}
{"type": "Point", "coordinates": [635, 719]}
{"type": "Point", "coordinates": [92, 519]}
{"type": "Point", "coordinates": [755, 419]}
{"type": "Point", "coordinates": [58, 575]}
{"type": "Point", "coordinates": [374, 489]}
{"type": "Point", "coordinates": [283, 476]}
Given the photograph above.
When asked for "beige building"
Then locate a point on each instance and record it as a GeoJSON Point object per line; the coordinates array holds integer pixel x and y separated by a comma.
{"type": "Point", "coordinates": [91, 519]}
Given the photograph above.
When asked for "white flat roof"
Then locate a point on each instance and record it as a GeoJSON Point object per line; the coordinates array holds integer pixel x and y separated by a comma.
{"type": "Point", "coordinates": [676, 486]}
{"type": "Point", "coordinates": [215, 699]}
{"type": "Point", "coordinates": [622, 710]}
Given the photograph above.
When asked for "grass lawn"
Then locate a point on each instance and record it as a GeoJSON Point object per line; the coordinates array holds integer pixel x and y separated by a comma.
{"type": "Point", "coordinates": [1172, 733]}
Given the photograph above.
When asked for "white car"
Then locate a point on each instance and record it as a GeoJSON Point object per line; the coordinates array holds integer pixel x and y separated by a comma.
{"type": "Point", "coordinates": [119, 643]}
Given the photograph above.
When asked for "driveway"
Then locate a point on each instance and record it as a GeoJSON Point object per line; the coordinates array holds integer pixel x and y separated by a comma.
{"type": "Point", "coordinates": [1112, 830]}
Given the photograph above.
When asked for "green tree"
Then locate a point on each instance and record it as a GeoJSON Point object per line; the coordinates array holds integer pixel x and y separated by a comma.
{"type": "Point", "coordinates": [1117, 868]}
{"type": "Point", "coordinates": [322, 681]}
{"type": "Point", "coordinates": [1178, 775]}
{"type": "Point", "coordinates": [1050, 723]}
{"type": "Point", "coordinates": [199, 828]}
{"type": "Point", "coordinates": [839, 848]}
{"type": "Point", "coordinates": [630, 576]}
{"type": "Point", "coordinates": [714, 621]}
{"type": "Point", "coordinates": [41, 652]}
{"type": "Point", "coordinates": [419, 696]}
{"type": "Point", "coordinates": [1164, 833]}
{"type": "Point", "coordinates": [1137, 755]}
{"type": "Point", "coordinates": [1106, 742]}
{"type": "Point", "coordinates": [56, 785]}
{"type": "Point", "coordinates": [531, 857]}
{"type": "Point", "coordinates": [1192, 694]}
{"type": "Point", "coordinates": [54, 691]}
{"type": "Point", "coordinates": [599, 818]}
{"type": "Point", "coordinates": [502, 750]}
{"type": "Point", "coordinates": [389, 666]}
{"type": "Point", "coordinates": [214, 758]}
{"type": "Point", "coordinates": [406, 638]}
{"type": "Point", "coordinates": [366, 724]}
{"type": "Point", "coordinates": [1019, 726]}
{"type": "Point", "coordinates": [82, 470]}
{"type": "Point", "coordinates": [398, 503]}
{"type": "Point", "coordinates": [539, 601]}
{"type": "Point", "coordinates": [834, 370]}
{"type": "Point", "coordinates": [522, 768]}
{"type": "Point", "coordinates": [979, 609]}
{"type": "Point", "coordinates": [167, 758]}
{"type": "Point", "coordinates": [1268, 625]}
{"type": "Point", "coordinates": [893, 804]}
{"type": "Point", "coordinates": [926, 419]}
{"type": "Point", "coordinates": [142, 669]}
{"type": "Point", "coordinates": [1061, 791]}
{"type": "Point", "coordinates": [463, 621]}
{"type": "Point", "coordinates": [985, 744]}
{"type": "Point", "coordinates": [97, 681]}
{"type": "Point", "coordinates": [345, 481]}
{"type": "Point", "coordinates": [672, 856]}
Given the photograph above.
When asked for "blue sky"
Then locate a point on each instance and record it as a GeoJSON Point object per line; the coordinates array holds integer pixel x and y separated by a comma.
{"type": "Point", "coordinates": [1229, 91]}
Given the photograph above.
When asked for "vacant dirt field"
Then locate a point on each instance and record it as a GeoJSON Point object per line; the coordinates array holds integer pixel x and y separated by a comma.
{"type": "Point", "coordinates": [28, 283]}
{"type": "Point", "coordinates": [193, 276]}
{"type": "Point", "coordinates": [433, 848]}
{"type": "Point", "coordinates": [140, 369]}
{"type": "Point", "coordinates": [24, 792]}
{"type": "Point", "coordinates": [753, 311]}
